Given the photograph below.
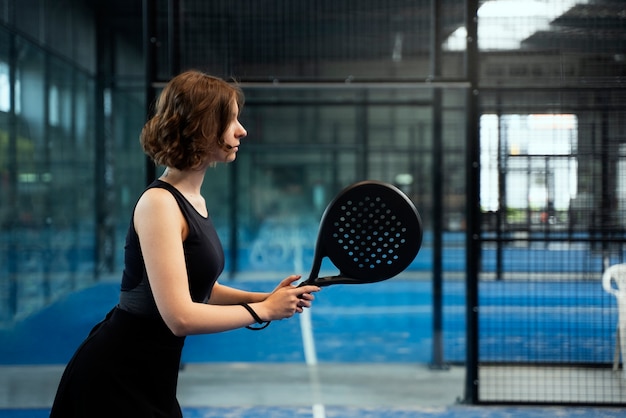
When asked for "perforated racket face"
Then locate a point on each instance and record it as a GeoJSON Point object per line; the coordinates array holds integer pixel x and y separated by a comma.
{"type": "Point", "coordinates": [371, 232]}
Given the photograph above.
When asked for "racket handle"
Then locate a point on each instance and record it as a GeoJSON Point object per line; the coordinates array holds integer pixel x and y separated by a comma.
{"type": "Point", "coordinates": [328, 280]}
{"type": "Point", "coordinates": [306, 282]}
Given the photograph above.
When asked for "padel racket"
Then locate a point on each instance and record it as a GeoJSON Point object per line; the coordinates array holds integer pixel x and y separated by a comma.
{"type": "Point", "coordinates": [370, 232]}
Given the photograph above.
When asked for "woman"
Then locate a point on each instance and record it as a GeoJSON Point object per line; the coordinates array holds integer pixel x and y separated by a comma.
{"type": "Point", "coordinates": [128, 365]}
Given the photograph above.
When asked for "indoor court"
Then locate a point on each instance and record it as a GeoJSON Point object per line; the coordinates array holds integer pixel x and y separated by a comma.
{"type": "Point", "coordinates": [489, 136]}
{"type": "Point", "coordinates": [374, 359]}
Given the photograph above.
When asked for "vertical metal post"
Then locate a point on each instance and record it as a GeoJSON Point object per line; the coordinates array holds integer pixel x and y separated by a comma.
{"type": "Point", "coordinates": [607, 175]}
{"type": "Point", "coordinates": [104, 180]}
{"type": "Point", "coordinates": [437, 189]}
{"type": "Point", "coordinates": [472, 166]}
{"type": "Point", "coordinates": [173, 42]}
{"type": "Point", "coordinates": [503, 160]}
{"type": "Point", "coordinates": [362, 165]}
{"type": "Point", "coordinates": [150, 62]}
{"type": "Point", "coordinates": [48, 228]}
{"type": "Point", "coordinates": [12, 194]}
{"type": "Point", "coordinates": [233, 201]}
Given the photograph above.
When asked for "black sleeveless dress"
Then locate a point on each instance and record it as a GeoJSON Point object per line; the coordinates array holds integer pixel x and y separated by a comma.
{"type": "Point", "coordinates": [128, 365]}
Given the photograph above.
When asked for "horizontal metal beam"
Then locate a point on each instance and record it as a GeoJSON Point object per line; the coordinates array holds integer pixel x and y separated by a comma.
{"type": "Point", "coordinates": [347, 84]}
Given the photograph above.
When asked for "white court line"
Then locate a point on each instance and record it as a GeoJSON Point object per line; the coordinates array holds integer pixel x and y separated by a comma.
{"type": "Point", "coordinates": [310, 355]}
{"type": "Point", "coordinates": [306, 329]}
{"type": "Point", "coordinates": [319, 411]}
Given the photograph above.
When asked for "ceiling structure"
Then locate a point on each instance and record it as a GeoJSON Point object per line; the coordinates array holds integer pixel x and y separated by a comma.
{"type": "Point", "coordinates": [259, 33]}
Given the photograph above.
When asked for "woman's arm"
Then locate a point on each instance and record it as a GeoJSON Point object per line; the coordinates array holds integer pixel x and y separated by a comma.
{"type": "Point", "coordinates": [162, 228]}
{"type": "Point", "coordinates": [226, 295]}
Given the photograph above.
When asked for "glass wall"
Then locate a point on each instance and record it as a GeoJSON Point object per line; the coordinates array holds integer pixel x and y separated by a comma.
{"type": "Point", "coordinates": [71, 109]}
{"type": "Point", "coordinates": [48, 155]}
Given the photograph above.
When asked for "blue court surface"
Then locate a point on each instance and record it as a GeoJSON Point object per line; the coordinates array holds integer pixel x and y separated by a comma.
{"type": "Point", "coordinates": [378, 323]}
{"type": "Point", "coordinates": [348, 412]}
{"type": "Point", "coordinates": [381, 322]}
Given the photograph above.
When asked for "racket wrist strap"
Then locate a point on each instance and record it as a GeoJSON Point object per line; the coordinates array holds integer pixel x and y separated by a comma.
{"type": "Point", "coordinates": [263, 324]}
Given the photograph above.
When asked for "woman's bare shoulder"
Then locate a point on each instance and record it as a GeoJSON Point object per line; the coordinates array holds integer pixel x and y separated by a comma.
{"type": "Point", "coordinates": [157, 204]}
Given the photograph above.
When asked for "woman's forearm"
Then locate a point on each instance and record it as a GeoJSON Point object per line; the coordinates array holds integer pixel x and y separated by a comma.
{"type": "Point", "coordinates": [226, 295]}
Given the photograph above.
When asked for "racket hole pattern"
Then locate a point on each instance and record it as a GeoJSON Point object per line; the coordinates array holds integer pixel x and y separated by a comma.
{"type": "Point", "coordinates": [370, 232]}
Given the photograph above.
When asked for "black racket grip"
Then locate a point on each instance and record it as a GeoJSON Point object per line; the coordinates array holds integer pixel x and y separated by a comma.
{"type": "Point", "coordinates": [329, 280]}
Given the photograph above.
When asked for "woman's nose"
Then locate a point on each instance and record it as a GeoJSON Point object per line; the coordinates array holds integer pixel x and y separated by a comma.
{"type": "Point", "coordinates": [242, 131]}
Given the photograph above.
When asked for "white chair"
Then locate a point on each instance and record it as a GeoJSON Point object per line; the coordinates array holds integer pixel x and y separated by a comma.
{"type": "Point", "coordinates": [617, 274]}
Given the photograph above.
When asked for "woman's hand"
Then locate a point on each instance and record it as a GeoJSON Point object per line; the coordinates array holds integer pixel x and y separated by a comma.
{"type": "Point", "coordinates": [286, 300]}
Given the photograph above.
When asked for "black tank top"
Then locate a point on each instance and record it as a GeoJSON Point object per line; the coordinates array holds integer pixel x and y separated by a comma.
{"type": "Point", "coordinates": [204, 258]}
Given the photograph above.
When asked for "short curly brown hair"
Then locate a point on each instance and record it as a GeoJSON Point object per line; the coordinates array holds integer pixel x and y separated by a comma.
{"type": "Point", "coordinates": [192, 113]}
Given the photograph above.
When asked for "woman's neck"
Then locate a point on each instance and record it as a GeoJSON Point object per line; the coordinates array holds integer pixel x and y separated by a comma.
{"type": "Point", "coordinates": [187, 181]}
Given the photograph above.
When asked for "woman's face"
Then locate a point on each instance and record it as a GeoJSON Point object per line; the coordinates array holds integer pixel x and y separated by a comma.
{"type": "Point", "coordinates": [232, 137]}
